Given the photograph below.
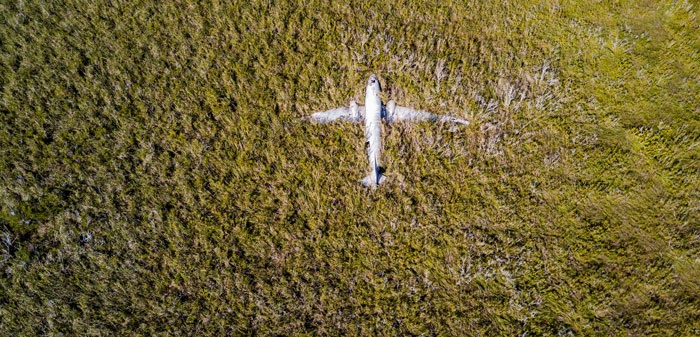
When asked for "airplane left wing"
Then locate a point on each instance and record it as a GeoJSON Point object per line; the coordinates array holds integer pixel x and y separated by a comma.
{"type": "Point", "coordinates": [352, 113]}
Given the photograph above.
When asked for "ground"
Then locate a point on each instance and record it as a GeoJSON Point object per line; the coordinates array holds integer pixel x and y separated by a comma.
{"type": "Point", "coordinates": [157, 178]}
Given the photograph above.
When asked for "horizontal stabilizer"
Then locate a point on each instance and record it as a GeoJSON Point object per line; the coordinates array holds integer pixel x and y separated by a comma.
{"type": "Point", "coordinates": [370, 181]}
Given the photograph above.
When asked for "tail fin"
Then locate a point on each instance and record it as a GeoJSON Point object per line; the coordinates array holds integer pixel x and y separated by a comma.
{"type": "Point", "coordinates": [374, 179]}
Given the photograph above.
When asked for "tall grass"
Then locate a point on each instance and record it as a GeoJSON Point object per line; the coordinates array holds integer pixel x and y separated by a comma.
{"type": "Point", "coordinates": [157, 179]}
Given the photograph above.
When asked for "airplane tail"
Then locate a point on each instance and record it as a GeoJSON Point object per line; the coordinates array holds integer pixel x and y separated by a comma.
{"type": "Point", "coordinates": [374, 179]}
{"type": "Point", "coordinates": [370, 181]}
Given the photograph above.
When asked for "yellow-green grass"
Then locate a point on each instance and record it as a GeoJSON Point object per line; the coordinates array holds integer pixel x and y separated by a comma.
{"type": "Point", "coordinates": [156, 178]}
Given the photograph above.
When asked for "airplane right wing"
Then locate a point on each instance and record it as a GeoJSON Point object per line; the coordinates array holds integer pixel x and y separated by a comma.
{"type": "Point", "coordinates": [393, 113]}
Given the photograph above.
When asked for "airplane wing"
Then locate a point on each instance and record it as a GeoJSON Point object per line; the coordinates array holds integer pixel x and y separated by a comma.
{"type": "Point", "coordinates": [393, 113]}
{"type": "Point", "coordinates": [352, 113]}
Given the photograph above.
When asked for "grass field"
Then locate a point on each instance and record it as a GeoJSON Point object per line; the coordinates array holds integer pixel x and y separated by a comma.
{"type": "Point", "coordinates": [156, 178]}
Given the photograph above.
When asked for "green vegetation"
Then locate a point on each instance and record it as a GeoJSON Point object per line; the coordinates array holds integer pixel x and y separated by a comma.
{"type": "Point", "coordinates": [156, 179]}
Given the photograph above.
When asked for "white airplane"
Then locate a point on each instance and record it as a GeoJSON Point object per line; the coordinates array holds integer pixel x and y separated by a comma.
{"type": "Point", "coordinates": [372, 113]}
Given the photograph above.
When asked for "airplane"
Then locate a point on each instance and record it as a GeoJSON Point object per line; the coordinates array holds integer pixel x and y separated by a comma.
{"type": "Point", "coordinates": [372, 113]}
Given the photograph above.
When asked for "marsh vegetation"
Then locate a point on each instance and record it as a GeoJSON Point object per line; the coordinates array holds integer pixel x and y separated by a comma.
{"type": "Point", "coordinates": [156, 179]}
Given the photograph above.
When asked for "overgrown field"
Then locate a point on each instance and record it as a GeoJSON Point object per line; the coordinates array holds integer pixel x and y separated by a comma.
{"type": "Point", "coordinates": [156, 178]}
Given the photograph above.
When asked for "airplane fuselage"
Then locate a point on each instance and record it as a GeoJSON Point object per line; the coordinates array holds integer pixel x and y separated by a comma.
{"type": "Point", "coordinates": [373, 117]}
